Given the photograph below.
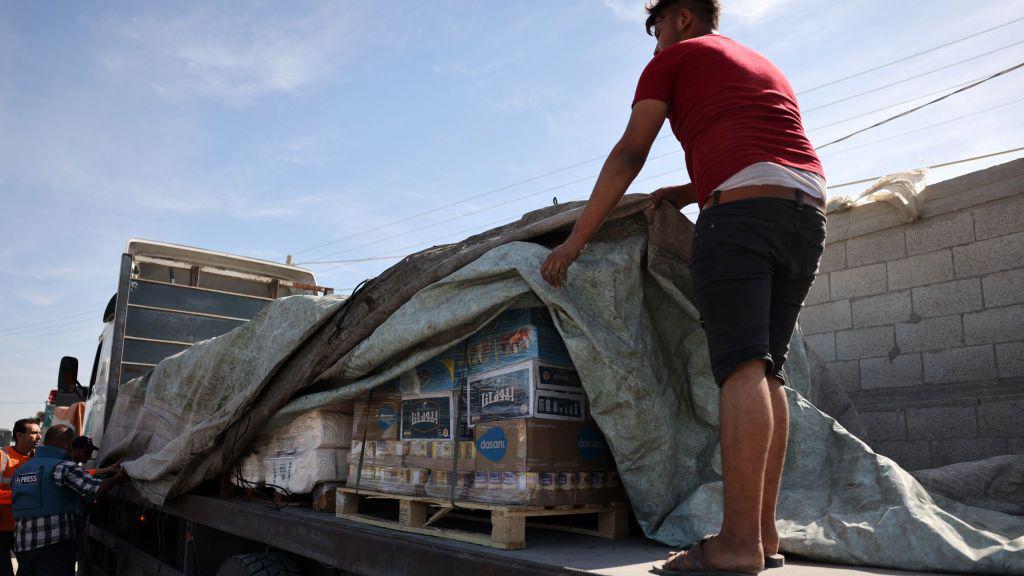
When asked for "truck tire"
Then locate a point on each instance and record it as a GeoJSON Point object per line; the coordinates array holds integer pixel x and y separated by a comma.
{"type": "Point", "coordinates": [259, 564]}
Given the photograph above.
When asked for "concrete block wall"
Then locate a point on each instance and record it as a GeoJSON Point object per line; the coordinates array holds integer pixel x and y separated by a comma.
{"type": "Point", "coordinates": [923, 323]}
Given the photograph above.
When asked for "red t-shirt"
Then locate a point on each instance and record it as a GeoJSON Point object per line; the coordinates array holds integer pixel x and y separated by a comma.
{"type": "Point", "coordinates": [729, 107]}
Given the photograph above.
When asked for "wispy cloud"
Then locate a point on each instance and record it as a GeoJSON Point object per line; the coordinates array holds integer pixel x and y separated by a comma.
{"type": "Point", "coordinates": [631, 10]}
{"type": "Point", "coordinates": [233, 57]}
{"type": "Point", "coordinates": [752, 11]}
{"type": "Point", "coordinates": [747, 11]}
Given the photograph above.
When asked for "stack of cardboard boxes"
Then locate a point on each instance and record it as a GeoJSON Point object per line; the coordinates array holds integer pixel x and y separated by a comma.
{"type": "Point", "coordinates": [499, 418]}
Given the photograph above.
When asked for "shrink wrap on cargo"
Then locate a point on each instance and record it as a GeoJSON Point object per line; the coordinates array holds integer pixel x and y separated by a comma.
{"type": "Point", "coordinates": [298, 473]}
{"type": "Point", "coordinates": [298, 455]}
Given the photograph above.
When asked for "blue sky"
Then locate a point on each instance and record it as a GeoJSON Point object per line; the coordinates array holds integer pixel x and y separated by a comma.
{"type": "Point", "coordinates": [269, 128]}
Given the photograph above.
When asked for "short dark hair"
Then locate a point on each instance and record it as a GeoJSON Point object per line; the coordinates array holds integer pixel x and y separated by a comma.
{"type": "Point", "coordinates": [707, 10]}
{"type": "Point", "coordinates": [21, 426]}
{"type": "Point", "coordinates": [59, 434]}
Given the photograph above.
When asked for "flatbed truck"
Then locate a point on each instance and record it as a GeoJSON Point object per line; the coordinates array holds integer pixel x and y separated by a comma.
{"type": "Point", "coordinates": [169, 297]}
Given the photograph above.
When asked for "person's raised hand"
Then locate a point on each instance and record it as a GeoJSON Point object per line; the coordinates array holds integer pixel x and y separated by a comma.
{"type": "Point", "coordinates": [678, 196]}
{"type": "Point", "coordinates": [555, 269]}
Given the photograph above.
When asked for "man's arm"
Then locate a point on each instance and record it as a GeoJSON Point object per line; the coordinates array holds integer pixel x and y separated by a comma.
{"type": "Point", "coordinates": [78, 479]}
{"type": "Point", "coordinates": [624, 162]}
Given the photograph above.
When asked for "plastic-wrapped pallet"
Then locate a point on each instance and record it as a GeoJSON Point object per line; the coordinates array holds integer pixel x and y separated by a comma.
{"type": "Point", "coordinates": [545, 488]}
{"type": "Point", "coordinates": [299, 472]}
{"type": "Point", "coordinates": [309, 431]}
{"type": "Point", "coordinates": [295, 457]}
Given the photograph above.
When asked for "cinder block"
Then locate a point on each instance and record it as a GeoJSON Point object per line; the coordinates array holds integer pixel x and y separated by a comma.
{"type": "Point", "coordinates": [864, 343]}
{"type": "Point", "coordinates": [846, 374]}
{"type": "Point", "coordinates": [882, 309]}
{"type": "Point", "coordinates": [959, 365]}
{"type": "Point", "coordinates": [940, 232]}
{"type": "Point", "coordinates": [827, 317]}
{"type": "Point", "coordinates": [833, 258]}
{"type": "Point", "coordinates": [1001, 418]}
{"type": "Point", "coordinates": [994, 325]}
{"type": "Point", "coordinates": [940, 422]}
{"type": "Point", "coordinates": [876, 247]}
{"type": "Point", "coordinates": [909, 454]}
{"type": "Point", "coordinates": [946, 452]}
{"type": "Point", "coordinates": [884, 425]}
{"type": "Point", "coordinates": [947, 298]}
{"type": "Point", "coordinates": [903, 370]}
{"type": "Point", "coordinates": [999, 218]}
{"type": "Point", "coordinates": [824, 345]}
{"type": "Point", "coordinates": [854, 282]}
{"type": "Point", "coordinates": [920, 270]}
{"type": "Point", "coordinates": [939, 333]}
{"type": "Point", "coordinates": [988, 256]}
{"type": "Point", "coordinates": [819, 292]}
{"type": "Point", "coordinates": [1010, 359]}
{"type": "Point", "coordinates": [1004, 288]}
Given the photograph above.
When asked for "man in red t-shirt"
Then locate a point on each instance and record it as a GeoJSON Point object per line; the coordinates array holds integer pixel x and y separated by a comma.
{"type": "Point", "coordinates": [756, 246]}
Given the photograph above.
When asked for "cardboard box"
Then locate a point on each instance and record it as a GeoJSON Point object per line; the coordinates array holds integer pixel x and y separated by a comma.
{"type": "Point", "coordinates": [534, 445]}
{"type": "Point", "coordinates": [378, 420]}
{"type": "Point", "coordinates": [434, 416]}
{"type": "Point", "coordinates": [440, 454]}
{"type": "Point", "coordinates": [541, 488]}
{"type": "Point", "coordinates": [443, 373]}
{"type": "Point", "coordinates": [518, 391]}
{"type": "Point", "coordinates": [516, 335]}
{"type": "Point", "coordinates": [390, 453]}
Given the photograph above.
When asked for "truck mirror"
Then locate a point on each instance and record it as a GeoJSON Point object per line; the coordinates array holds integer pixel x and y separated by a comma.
{"type": "Point", "coordinates": [67, 375]}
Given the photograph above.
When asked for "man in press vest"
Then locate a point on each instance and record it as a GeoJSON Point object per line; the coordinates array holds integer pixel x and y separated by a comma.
{"type": "Point", "coordinates": [761, 190]}
{"type": "Point", "coordinates": [26, 438]}
{"type": "Point", "coordinates": [48, 494]}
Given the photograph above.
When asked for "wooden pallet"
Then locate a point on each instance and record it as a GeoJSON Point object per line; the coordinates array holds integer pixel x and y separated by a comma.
{"type": "Point", "coordinates": [508, 523]}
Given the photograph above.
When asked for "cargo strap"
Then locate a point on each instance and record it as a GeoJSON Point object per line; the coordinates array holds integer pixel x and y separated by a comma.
{"type": "Point", "coordinates": [453, 478]}
{"type": "Point", "coordinates": [362, 449]}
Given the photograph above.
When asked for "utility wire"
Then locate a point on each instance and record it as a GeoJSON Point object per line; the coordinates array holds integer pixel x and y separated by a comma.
{"type": "Point", "coordinates": [588, 178]}
{"type": "Point", "coordinates": [905, 58]}
{"type": "Point", "coordinates": [893, 105]}
{"type": "Point", "coordinates": [17, 328]}
{"type": "Point", "coordinates": [925, 105]}
{"type": "Point", "coordinates": [832, 187]}
{"type": "Point", "coordinates": [595, 159]}
{"type": "Point", "coordinates": [38, 329]}
{"type": "Point", "coordinates": [924, 128]}
{"type": "Point", "coordinates": [909, 78]}
{"type": "Point", "coordinates": [934, 166]}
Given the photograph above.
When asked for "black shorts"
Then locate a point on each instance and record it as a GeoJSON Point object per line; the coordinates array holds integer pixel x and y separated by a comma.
{"type": "Point", "coordinates": [753, 263]}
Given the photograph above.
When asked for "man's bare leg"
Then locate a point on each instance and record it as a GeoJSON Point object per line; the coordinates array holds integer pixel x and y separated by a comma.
{"type": "Point", "coordinates": [773, 467]}
{"type": "Point", "coordinates": [746, 422]}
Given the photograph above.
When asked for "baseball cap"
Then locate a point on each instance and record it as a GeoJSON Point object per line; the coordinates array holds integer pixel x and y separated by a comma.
{"type": "Point", "coordinates": [84, 442]}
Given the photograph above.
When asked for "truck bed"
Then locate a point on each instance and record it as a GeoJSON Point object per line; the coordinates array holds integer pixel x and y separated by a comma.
{"type": "Point", "coordinates": [364, 549]}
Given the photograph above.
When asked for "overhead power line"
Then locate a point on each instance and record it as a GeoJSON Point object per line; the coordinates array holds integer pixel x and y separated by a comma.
{"type": "Point", "coordinates": [925, 105]}
{"type": "Point", "coordinates": [925, 128]}
{"type": "Point", "coordinates": [909, 57]}
{"type": "Point", "coordinates": [935, 166]}
{"type": "Point", "coordinates": [914, 77]}
{"type": "Point", "coordinates": [832, 187]}
{"type": "Point", "coordinates": [52, 321]}
{"type": "Point", "coordinates": [594, 176]}
{"type": "Point", "coordinates": [46, 328]}
{"type": "Point", "coordinates": [893, 105]}
{"type": "Point", "coordinates": [603, 156]}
